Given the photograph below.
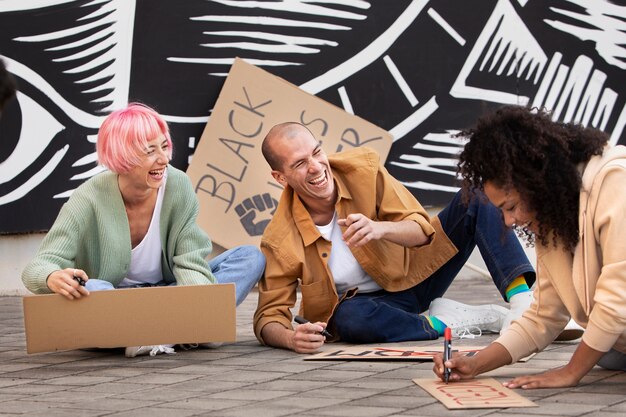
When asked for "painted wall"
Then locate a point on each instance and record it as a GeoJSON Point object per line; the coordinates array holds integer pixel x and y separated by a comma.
{"type": "Point", "coordinates": [420, 69]}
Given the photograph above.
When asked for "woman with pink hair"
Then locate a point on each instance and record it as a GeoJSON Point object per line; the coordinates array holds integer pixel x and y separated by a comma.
{"type": "Point", "coordinates": [135, 224]}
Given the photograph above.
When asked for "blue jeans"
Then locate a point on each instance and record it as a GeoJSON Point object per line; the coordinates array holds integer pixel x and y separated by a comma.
{"type": "Point", "coordinates": [242, 265]}
{"type": "Point", "coordinates": [384, 316]}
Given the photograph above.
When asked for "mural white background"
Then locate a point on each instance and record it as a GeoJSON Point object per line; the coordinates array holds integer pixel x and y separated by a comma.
{"type": "Point", "coordinates": [420, 69]}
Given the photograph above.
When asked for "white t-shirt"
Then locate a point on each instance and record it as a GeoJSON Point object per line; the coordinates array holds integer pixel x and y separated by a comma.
{"type": "Point", "coordinates": [145, 258]}
{"type": "Point", "coordinates": [346, 270]}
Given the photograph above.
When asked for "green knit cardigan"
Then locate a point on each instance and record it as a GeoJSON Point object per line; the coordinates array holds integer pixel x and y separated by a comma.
{"type": "Point", "coordinates": [92, 233]}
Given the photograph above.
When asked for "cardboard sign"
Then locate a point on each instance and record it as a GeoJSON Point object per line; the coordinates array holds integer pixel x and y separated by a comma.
{"type": "Point", "coordinates": [475, 393]}
{"type": "Point", "coordinates": [389, 352]}
{"type": "Point", "coordinates": [230, 176]}
{"type": "Point", "coordinates": [131, 317]}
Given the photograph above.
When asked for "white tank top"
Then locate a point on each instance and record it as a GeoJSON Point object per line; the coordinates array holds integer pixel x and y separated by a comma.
{"type": "Point", "coordinates": [145, 258]}
{"type": "Point", "coordinates": [346, 270]}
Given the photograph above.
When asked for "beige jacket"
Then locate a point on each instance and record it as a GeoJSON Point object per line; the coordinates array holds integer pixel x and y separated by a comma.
{"type": "Point", "coordinates": [589, 286]}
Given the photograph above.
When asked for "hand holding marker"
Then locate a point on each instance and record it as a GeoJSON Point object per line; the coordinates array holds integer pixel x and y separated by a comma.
{"type": "Point", "coordinates": [302, 320]}
{"type": "Point", "coordinates": [447, 352]}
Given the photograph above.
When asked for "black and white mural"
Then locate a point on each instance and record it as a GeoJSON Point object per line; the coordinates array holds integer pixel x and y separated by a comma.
{"type": "Point", "coordinates": [420, 69]}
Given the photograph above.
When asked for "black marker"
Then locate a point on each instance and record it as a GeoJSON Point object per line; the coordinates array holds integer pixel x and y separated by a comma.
{"type": "Point", "coordinates": [78, 279]}
{"type": "Point", "coordinates": [302, 320]}
{"type": "Point", "coordinates": [447, 352]}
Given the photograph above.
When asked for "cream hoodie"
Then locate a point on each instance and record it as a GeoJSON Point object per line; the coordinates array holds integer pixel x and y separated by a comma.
{"type": "Point", "coordinates": [589, 286]}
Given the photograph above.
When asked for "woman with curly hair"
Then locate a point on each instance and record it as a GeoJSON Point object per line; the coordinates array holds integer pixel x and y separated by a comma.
{"type": "Point", "coordinates": [562, 187]}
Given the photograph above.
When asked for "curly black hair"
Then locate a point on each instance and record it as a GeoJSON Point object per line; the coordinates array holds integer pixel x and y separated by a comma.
{"type": "Point", "coordinates": [522, 148]}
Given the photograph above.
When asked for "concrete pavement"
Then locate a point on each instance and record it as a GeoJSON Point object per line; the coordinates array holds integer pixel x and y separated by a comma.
{"type": "Point", "coordinates": [247, 379]}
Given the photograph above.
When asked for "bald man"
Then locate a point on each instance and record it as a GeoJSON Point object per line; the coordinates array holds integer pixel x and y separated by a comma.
{"type": "Point", "coordinates": [365, 254]}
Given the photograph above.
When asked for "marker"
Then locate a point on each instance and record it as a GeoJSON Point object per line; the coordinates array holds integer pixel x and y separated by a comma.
{"type": "Point", "coordinates": [302, 320]}
{"type": "Point", "coordinates": [78, 279]}
{"type": "Point", "coordinates": [447, 352]}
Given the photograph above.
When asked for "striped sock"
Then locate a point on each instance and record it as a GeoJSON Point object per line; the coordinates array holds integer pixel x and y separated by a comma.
{"type": "Point", "coordinates": [436, 324]}
{"type": "Point", "coordinates": [517, 286]}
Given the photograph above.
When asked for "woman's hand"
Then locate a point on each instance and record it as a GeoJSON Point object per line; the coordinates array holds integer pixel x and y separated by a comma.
{"type": "Point", "coordinates": [461, 367]}
{"type": "Point", "coordinates": [554, 378]}
{"type": "Point", "coordinates": [468, 367]}
{"type": "Point", "coordinates": [63, 282]}
{"type": "Point", "coordinates": [582, 361]}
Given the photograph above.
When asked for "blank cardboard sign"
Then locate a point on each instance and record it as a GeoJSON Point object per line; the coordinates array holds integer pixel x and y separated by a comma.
{"type": "Point", "coordinates": [130, 317]}
{"type": "Point", "coordinates": [475, 393]}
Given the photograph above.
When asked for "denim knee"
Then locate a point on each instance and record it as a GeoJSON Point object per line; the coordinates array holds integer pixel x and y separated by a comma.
{"type": "Point", "coordinates": [351, 323]}
{"type": "Point", "coordinates": [98, 285]}
{"type": "Point", "coordinates": [255, 259]}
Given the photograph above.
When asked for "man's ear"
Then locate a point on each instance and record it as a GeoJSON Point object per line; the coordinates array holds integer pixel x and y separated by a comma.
{"type": "Point", "coordinates": [279, 177]}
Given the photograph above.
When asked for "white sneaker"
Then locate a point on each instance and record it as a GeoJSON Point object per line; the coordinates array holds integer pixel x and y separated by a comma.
{"type": "Point", "coordinates": [133, 351]}
{"type": "Point", "coordinates": [518, 304]}
{"type": "Point", "coordinates": [207, 345]}
{"type": "Point", "coordinates": [461, 318]}
{"type": "Point", "coordinates": [572, 331]}
{"type": "Point", "coordinates": [211, 345]}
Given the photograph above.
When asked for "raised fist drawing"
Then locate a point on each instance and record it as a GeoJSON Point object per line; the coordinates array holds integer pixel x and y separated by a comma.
{"type": "Point", "coordinates": [247, 211]}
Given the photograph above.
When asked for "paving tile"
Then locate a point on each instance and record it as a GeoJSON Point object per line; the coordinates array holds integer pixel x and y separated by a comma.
{"type": "Point", "coordinates": [67, 412]}
{"type": "Point", "coordinates": [157, 394]}
{"type": "Point", "coordinates": [112, 404]}
{"type": "Point", "coordinates": [203, 403]}
{"type": "Point", "coordinates": [350, 410]}
{"type": "Point", "coordinates": [11, 382]}
{"type": "Point", "coordinates": [603, 413]}
{"type": "Point", "coordinates": [617, 408]}
{"type": "Point", "coordinates": [300, 385]}
{"type": "Point", "coordinates": [546, 407]}
{"type": "Point", "coordinates": [595, 399]}
{"type": "Point", "coordinates": [248, 379]}
{"type": "Point", "coordinates": [156, 412]}
{"type": "Point", "coordinates": [208, 385]}
{"type": "Point", "coordinates": [159, 378]}
{"type": "Point", "coordinates": [249, 376]}
{"type": "Point", "coordinates": [404, 402]}
{"type": "Point", "coordinates": [251, 394]}
{"type": "Point", "coordinates": [69, 396]}
{"type": "Point", "coordinates": [439, 410]}
{"type": "Point", "coordinates": [112, 388]}
{"type": "Point", "coordinates": [79, 380]}
{"type": "Point", "coordinates": [25, 406]}
{"type": "Point", "coordinates": [377, 382]}
{"type": "Point", "coordinates": [339, 392]}
{"type": "Point", "coordinates": [30, 389]}
{"type": "Point", "coordinates": [330, 375]}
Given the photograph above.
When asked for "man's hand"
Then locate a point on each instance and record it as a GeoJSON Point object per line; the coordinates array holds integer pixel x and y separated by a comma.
{"type": "Point", "coordinates": [63, 282]}
{"type": "Point", "coordinates": [306, 337]}
{"type": "Point", "coordinates": [360, 230]}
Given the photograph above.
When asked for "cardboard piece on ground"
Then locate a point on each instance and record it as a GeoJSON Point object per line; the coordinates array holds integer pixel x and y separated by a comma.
{"type": "Point", "coordinates": [475, 393]}
{"type": "Point", "coordinates": [131, 317]}
{"type": "Point", "coordinates": [387, 352]}
{"type": "Point", "coordinates": [237, 194]}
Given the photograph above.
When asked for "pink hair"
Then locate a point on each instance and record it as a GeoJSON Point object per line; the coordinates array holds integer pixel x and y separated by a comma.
{"type": "Point", "coordinates": [124, 135]}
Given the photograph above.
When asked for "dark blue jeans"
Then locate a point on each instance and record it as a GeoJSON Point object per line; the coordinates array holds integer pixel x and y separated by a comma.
{"type": "Point", "coordinates": [384, 316]}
